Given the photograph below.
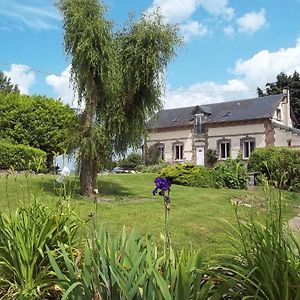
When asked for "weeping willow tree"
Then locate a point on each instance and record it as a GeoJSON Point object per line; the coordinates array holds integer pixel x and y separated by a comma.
{"type": "Point", "coordinates": [118, 77]}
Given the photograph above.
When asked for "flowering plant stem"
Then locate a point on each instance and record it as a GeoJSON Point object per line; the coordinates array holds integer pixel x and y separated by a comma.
{"type": "Point", "coordinates": [163, 186]}
{"type": "Point", "coordinates": [167, 231]}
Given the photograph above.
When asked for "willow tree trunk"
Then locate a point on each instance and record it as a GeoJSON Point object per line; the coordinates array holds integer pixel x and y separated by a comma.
{"type": "Point", "coordinates": [88, 176]}
{"type": "Point", "coordinates": [88, 160]}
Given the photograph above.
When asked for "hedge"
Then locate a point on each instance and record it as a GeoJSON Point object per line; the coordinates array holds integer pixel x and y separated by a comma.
{"type": "Point", "coordinates": [20, 157]}
{"type": "Point", "coordinates": [151, 168]}
{"type": "Point", "coordinates": [231, 174]}
{"type": "Point", "coordinates": [281, 166]}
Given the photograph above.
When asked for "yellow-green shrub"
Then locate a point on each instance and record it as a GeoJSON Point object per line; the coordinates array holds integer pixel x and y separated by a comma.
{"type": "Point", "coordinates": [20, 157]}
{"type": "Point", "coordinates": [230, 174]}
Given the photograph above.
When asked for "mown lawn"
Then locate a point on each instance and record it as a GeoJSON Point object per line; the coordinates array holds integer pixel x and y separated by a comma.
{"type": "Point", "coordinates": [197, 218]}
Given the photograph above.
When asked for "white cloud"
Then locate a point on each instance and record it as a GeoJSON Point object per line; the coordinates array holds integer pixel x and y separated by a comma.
{"type": "Point", "coordinates": [265, 65]}
{"type": "Point", "coordinates": [33, 15]}
{"type": "Point", "coordinates": [218, 8]}
{"type": "Point", "coordinates": [192, 29]}
{"type": "Point", "coordinates": [61, 86]}
{"type": "Point", "coordinates": [261, 68]}
{"type": "Point", "coordinates": [206, 92]}
{"type": "Point", "coordinates": [175, 10]}
{"type": "Point", "coordinates": [182, 10]}
{"type": "Point", "coordinates": [229, 30]}
{"type": "Point", "coordinates": [252, 21]}
{"type": "Point", "coordinates": [22, 76]}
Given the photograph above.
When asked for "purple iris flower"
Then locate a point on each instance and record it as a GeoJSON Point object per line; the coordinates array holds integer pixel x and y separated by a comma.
{"type": "Point", "coordinates": [162, 184]}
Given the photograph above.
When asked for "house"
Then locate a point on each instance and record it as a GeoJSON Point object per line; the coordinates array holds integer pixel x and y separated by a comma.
{"type": "Point", "coordinates": [185, 134]}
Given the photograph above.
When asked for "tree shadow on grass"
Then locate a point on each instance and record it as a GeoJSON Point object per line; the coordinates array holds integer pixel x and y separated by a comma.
{"type": "Point", "coordinates": [71, 188]}
{"type": "Point", "coordinates": [112, 188]}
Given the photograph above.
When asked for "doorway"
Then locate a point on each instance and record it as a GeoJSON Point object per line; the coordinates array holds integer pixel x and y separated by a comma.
{"type": "Point", "coordinates": [200, 156]}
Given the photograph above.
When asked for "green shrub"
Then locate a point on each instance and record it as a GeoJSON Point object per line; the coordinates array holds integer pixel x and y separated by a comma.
{"type": "Point", "coordinates": [20, 157]}
{"type": "Point", "coordinates": [152, 168]}
{"type": "Point", "coordinates": [281, 166]}
{"type": "Point", "coordinates": [131, 161]}
{"type": "Point", "coordinates": [198, 177]}
{"type": "Point", "coordinates": [152, 155]}
{"type": "Point", "coordinates": [211, 158]}
{"type": "Point", "coordinates": [231, 174]}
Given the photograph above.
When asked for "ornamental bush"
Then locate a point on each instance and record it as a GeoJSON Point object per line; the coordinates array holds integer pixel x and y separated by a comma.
{"type": "Point", "coordinates": [131, 161]}
{"type": "Point", "coordinates": [189, 175]}
{"type": "Point", "coordinates": [20, 157]}
{"type": "Point", "coordinates": [152, 168]}
{"type": "Point", "coordinates": [281, 166]}
{"type": "Point", "coordinates": [231, 174]}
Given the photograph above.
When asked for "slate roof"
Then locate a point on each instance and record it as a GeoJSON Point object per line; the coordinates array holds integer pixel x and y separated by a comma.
{"type": "Point", "coordinates": [239, 110]}
{"type": "Point", "coordinates": [172, 117]}
{"type": "Point", "coordinates": [287, 128]}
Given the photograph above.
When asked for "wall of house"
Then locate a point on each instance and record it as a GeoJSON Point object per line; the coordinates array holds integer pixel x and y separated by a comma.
{"type": "Point", "coordinates": [285, 109]}
{"type": "Point", "coordinates": [283, 137]}
{"type": "Point", "coordinates": [235, 133]}
{"type": "Point", "coordinates": [171, 136]}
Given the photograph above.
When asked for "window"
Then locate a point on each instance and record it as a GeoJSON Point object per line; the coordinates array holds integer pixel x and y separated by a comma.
{"type": "Point", "coordinates": [178, 152]}
{"type": "Point", "coordinates": [248, 147]}
{"type": "Point", "coordinates": [161, 149]}
{"type": "Point", "coordinates": [224, 149]}
{"type": "Point", "coordinates": [278, 114]}
{"type": "Point", "coordinates": [198, 123]}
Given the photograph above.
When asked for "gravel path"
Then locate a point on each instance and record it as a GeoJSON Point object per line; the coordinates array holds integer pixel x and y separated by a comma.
{"type": "Point", "coordinates": [295, 222]}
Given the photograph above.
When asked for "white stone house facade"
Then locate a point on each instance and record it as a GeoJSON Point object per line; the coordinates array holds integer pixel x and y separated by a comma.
{"type": "Point", "coordinates": [185, 134]}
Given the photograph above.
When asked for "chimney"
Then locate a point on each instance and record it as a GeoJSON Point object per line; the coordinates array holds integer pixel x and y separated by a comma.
{"type": "Point", "coordinates": [287, 107]}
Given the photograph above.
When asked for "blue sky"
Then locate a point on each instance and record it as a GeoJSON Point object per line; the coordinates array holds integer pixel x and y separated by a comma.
{"type": "Point", "coordinates": [231, 46]}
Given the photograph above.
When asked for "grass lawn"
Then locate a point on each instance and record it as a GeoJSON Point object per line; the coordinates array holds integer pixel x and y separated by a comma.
{"type": "Point", "coordinates": [197, 216]}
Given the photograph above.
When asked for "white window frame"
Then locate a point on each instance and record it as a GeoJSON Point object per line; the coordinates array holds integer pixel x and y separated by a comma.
{"type": "Point", "coordinates": [161, 148]}
{"type": "Point", "coordinates": [180, 153]}
{"type": "Point", "coordinates": [198, 123]}
{"type": "Point", "coordinates": [278, 114]}
{"type": "Point", "coordinates": [227, 150]}
{"type": "Point", "coordinates": [247, 143]}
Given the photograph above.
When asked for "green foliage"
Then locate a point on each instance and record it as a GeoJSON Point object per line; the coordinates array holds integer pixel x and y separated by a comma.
{"type": "Point", "coordinates": [128, 266]}
{"type": "Point", "coordinates": [152, 168]}
{"type": "Point", "coordinates": [36, 121]}
{"type": "Point", "coordinates": [25, 269]}
{"type": "Point", "coordinates": [20, 157]}
{"type": "Point", "coordinates": [131, 161]}
{"type": "Point", "coordinates": [6, 86]}
{"type": "Point", "coordinates": [280, 165]}
{"type": "Point", "coordinates": [231, 174]}
{"type": "Point", "coordinates": [284, 81]}
{"type": "Point", "coordinates": [145, 48]}
{"type": "Point", "coordinates": [152, 155]}
{"type": "Point", "coordinates": [189, 175]}
{"type": "Point", "coordinates": [266, 263]}
{"type": "Point", "coordinates": [211, 158]}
